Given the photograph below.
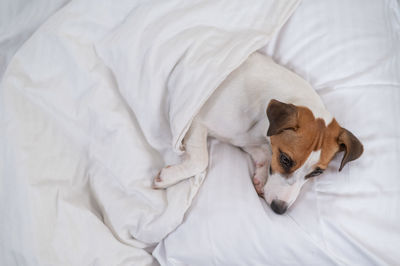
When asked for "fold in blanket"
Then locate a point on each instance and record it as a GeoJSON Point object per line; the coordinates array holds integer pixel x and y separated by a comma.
{"type": "Point", "coordinates": [96, 102]}
{"type": "Point", "coordinates": [169, 56]}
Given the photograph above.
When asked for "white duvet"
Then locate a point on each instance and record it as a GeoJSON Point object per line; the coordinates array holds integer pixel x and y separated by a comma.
{"type": "Point", "coordinates": [98, 100]}
{"type": "Point", "coordinates": [95, 104]}
{"type": "Point", "coordinates": [350, 52]}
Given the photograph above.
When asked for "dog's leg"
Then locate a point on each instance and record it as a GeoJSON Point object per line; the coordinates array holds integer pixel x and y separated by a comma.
{"type": "Point", "coordinates": [261, 156]}
{"type": "Point", "coordinates": [195, 158]}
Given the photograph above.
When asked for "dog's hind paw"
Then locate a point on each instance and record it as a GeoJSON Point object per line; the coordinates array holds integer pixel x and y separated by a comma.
{"type": "Point", "coordinates": [157, 182]}
{"type": "Point", "coordinates": [164, 178]}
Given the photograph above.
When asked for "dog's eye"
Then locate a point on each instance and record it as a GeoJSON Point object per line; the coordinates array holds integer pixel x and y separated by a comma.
{"type": "Point", "coordinates": [316, 172]}
{"type": "Point", "coordinates": [285, 161]}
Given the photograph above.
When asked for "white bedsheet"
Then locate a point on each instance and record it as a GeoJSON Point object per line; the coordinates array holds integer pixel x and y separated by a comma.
{"type": "Point", "coordinates": [66, 130]}
{"type": "Point", "coordinates": [94, 104]}
{"type": "Point", "coordinates": [350, 52]}
{"type": "Point", "coordinates": [18, 20]}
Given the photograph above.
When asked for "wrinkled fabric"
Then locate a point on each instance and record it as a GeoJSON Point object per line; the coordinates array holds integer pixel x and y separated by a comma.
{"type": "Point", "coordinates": [169, 56]}
{"type": "Point", "coordinates": [350, 52]}
{"type": "Point", "coordinates": [18, 20]}
{"type": "Point", "coordinates": [94, 104]}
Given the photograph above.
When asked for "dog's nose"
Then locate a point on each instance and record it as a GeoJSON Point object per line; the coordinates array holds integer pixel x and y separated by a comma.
{"type": "Point", "coordinates": [278, 206]}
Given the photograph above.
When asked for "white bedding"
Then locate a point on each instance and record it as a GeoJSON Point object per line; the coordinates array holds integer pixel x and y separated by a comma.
{"type": "Point", "coordinates": [74, 190]}
{"type": "Point", "coordinates": [94, 105]}
{"type": "Point", "coordinates": [18, 20]}
{"type": "Point", "coordinates": [350, 52]}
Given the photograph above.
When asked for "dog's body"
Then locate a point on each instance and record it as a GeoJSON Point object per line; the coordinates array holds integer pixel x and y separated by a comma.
{"type": "Point", "coordinates": [303, 133]}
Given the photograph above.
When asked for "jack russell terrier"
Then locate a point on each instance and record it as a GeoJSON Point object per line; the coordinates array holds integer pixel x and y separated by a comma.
{"type": "Point", "coordinates": [296, 142]}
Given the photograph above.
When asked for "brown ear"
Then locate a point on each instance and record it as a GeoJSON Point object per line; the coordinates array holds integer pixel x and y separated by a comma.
{"type": "Point", "coordinates": [351, 146]}
{"type": "Point", "coordinates": [281, 116]}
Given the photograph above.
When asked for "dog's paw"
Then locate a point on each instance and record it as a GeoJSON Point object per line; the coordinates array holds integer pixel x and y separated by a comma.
{"type": "Point", "coordinates": [157, 182]}
{"type": "Point", "coordinates": [260, 164]}
{"type": "Point", "coordinates": [258, 185]}
{"type": "Point", "coordinates": [160, 181]}
{"type": "Point", "coordinates": [260, 177]}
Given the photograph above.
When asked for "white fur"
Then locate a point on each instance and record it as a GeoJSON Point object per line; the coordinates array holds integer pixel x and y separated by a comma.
{"type": "Point", "coordinates": [236, 113]}
{"type": "Point", "coordinates": [288, 188]}
{"type": "Point", "coordinates": [242, 99]}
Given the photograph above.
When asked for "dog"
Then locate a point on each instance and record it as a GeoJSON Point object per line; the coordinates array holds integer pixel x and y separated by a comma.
{"type": "Point", "coordinates": [275, 116]}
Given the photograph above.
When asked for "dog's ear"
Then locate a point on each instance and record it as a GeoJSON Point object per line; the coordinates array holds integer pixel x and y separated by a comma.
{"type": "Point", "coordinates": [351, 146]}
{"type": "Point", "coordinates": [281, 116]}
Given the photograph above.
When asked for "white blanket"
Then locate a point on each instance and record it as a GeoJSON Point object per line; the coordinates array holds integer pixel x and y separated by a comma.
{"type": "Point", "coordinates": [349, 50]}
{"type": "Point", "coordinates": [81, 144]}
{"type": "Point", "coordinates": [18, 20]}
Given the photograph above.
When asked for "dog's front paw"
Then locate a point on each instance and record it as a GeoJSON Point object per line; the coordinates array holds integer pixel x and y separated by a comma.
{"type": "Point", "coordinates": [260, 178]}
{"type": "Point", "coordinates": [258, 185]}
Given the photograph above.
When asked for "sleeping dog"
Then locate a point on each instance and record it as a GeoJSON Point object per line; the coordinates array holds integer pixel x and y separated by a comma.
{"type": "Point", "coordinates": [276, 117]}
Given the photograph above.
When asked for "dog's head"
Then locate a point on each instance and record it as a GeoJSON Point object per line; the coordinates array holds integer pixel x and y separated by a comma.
{"type": "Point", "coordinates": [302, 147]}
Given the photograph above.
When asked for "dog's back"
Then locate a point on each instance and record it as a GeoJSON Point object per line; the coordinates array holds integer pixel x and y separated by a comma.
{"type": "Point", "coordinates": [235, 112]}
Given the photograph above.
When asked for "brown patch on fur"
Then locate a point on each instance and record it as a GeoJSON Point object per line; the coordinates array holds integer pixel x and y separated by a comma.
{"type": "Point", "coordinates": [281, 116]}
{"type": "Point", "coordinates": [309, 134]}
{"type": "Point", "coordinates": [351, 146]}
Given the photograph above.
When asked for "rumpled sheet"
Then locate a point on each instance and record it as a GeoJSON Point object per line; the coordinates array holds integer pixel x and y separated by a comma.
{"type": "Point", "coordinates": [94, 105]}
{"type": "Point", "coordinates": [19, 19]}
{"type": "Point", "coordinates": [349, 50]}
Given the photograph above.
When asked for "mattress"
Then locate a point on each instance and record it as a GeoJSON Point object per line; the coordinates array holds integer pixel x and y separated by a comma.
{"type": "Point", "coordinates": [71, 194]}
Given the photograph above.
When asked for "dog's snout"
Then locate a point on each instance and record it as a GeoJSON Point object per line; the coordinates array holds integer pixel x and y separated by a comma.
{"type": "Point", "coordinates": [279, 206]}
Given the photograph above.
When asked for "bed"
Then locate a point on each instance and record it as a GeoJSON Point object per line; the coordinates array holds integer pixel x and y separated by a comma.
{"type": "Point", "coordinates": [79, 146]}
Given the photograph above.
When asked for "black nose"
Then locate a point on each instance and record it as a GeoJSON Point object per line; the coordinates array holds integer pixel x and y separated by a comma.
{"type": "Point", "coordinates": [278, 206]}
